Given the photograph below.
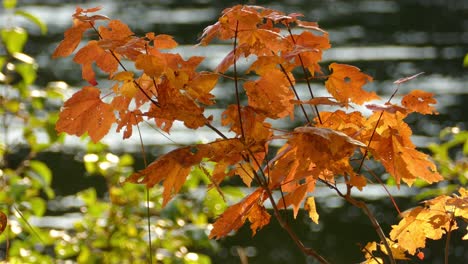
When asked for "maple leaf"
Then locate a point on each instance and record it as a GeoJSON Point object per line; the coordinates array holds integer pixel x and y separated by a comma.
{"type": "Point", "coordinates": [150, 64]}
{"type": "Point", "coordinates": [72, 37]}
{"type": "Point", "coordinates": [258, 217]}
{"type": "Point", "coordinates": [318, 101]}
{"type": "Point", "coordinates": [174, 167]}
{"type": "Point", "coordinates": [432, 221]}
{"type": "Point", "coordinates": [86, 112]}
{"type": "Point", "coordinates": [310, 207]}
{"type": "Point", "coordinates": [91, 53]}
{"type": "Point", "coordinates": [82, 14]}
{"type": "Point", "coordinates": [388, 107]}
{"type": "Point", "coordinates": [419, 101]}
{"type": "Point", "coordinates": [270, 95]}
{"type": "Point", "coordinates": [3, 222]}
{"type": "Point", "coordinates": [128, 88]}
{"type": "Point", "coordinates": [115, 30]}
{"type": "Point", "coordinates": [310, 47]}
{"type": "Point", "coordinates": [162, 41]}
{"type": "Point", "coordinates": [200, 86]}
{"type": "Point", "coordinates": [393, 147]}
{"type": "Point", "coordinates": [128, 119]}
{"type": "Point", "coordinates": [345, 84]}
{"type": "Point", "coordinates": [351, 124]}
{"type": "Point", "coordinates": [234, 217]}
{"type": "Point", "coordinates": [294, 198]}
{"type": "Point", "coordinates": [173, 105]}
{"type": "Point", "coordinates": [306, 153]}
{"type": "Point", "coordinates": [330, 134]}
{"type": "Point", "coordinates": [397, 251]}
{"type": "Point", "coordinates": [264, 64]}
{"type": "Point", "coordinates": [230, 58]}
{"type": "Point", "coordinates": [255, 130]}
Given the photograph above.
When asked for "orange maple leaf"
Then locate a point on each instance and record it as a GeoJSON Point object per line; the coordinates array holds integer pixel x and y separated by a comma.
{"type": "Point", "coordinates": [162, 41]}
{"type": "Point", "coordinates": [419, 101]}
{"type": "Point", "coordinates": [294, 198]}
{"type": "Point", "coordinates": [174, 167]}
{"type": "Point", "coordinates": [234, 217]}
{"type": "Point", "coordinates": [270, 95]}
{"type": "Point", "coordinates": [345, 84]}
{"type": "Point", "coordinates": [258, 216]}
{"type": "Point", "coordinates": [91, 53]}
{"type": "Point", "coordinates": [73, 35]}
{"type": "Point", "coordinates": [393, 147]}
{"type": "Point", "coordinates": [128, 119]}
{"type": "Point", "coordinates": [255, 129]}
{"type": "Point", "coordinates": [310, 47]}
{"type": "Point", "coordinates": [71, 40]}
{"type": "Point", "coordinates": [86, 112]}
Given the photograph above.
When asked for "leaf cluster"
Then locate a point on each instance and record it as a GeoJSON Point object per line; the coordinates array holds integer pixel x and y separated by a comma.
{"type": "Point", "coordinates": [329, 147]}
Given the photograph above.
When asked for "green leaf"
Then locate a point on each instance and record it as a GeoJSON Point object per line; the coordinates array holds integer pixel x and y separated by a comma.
{"type": "Point", "coordinates": [42, 170]}
{"type": "Point", "coordinates": [42, 26]}
{"type": "Point", "coordinates": [9, 4]}
{"type": "Point", "coordinates": [14, 39]}
{"type": "Point", "coordinates": [12, 105]}
{"type": "Point", "coordinates": [27, 71]}
{"type": "Point", "coordinates": [465, 61]}
{"type": "Point", "coordinates": [38, 206]}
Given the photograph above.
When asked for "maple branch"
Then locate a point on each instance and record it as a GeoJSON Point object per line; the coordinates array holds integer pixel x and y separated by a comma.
{"type": "Point", "coordinates": [281, 221]}
{"type": "Point", "coordinates": [215, 130]}
{"type": "Point", "coordinates": [143, 153]}
{"type": "Point", "coordinates": [375, 129]}
{"type": "Point", "coordinates": [385, 188]}
{"type": "Point", "coordinates": [370, 253]}
{"type": "Point", "coordinates": [362, 205]}
{"type": "Point", "coordinates": [125, 69]}
{"type": "Point", "coordinates": [295, 92]}
{"type": "Point", "coordinates": [447, 241]}
{"type": "Point", "coordinates": [305, 75]}
{"type": "Point", "coordinates": [236, 83]}
{"type": "Point", "coordinates": [375, 224]}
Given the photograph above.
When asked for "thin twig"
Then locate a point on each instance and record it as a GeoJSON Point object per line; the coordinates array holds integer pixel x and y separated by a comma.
{"type": "Point", "coordinates": [282, 222]}
{"type": "Point", "coordinates": [305, 75]}
{"type": "Point", "coordinates": [143, 153]}
{"type": "Point", "coordinates": [447, 241]}
{"type": "Point", "coordinates": [236, 83]}
{"type": "Point", "coordinates": [295, 92]}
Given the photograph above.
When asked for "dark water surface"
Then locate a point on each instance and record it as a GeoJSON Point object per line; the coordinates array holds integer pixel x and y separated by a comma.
{"type": "Point", "coordinates": [386, 39]}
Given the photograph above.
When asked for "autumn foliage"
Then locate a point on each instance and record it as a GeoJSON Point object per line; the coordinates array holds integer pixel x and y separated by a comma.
{"type": "Point", "coordinates": [329, 148]}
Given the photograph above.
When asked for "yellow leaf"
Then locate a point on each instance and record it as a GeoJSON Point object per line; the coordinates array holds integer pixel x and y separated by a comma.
{"type": "Point", "coordinates": [309, 206]}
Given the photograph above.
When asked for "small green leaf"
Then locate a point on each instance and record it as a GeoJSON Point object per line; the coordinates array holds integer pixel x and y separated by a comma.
{"type": "Point", "coordinates": [465, 61]}
{"type": "Point", "coordinates": [12, 105]}
{"type": "Point", "coordinates": [42, 26]}
{"type": "Point", "coordinates": [38, 206]}
{"type": "Point", "coordinates": [42, 170]}
{"type": "Point", "coordinates": [27, 71]}
{"type": "Point", "coordinates": [9, 4]}
{"type": "Point", "coordinates": [14, 39]}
